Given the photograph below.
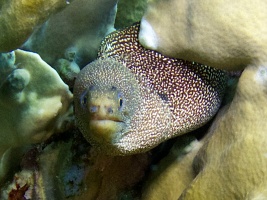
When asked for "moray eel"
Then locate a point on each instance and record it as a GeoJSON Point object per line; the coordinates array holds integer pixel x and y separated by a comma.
{"type": "Point", "coordinates": [131, 99]}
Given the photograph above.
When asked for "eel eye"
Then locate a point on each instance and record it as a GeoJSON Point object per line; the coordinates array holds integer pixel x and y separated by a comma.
{"type": "Point", "coordinates": [120, 98]}
{"type": "Point", "coordinates": [83, 99]}
{"type": "Point", "coordinates": [121, 101]}
{"type": "Point", "coordinates": [113, 88]}
{"type": "Point", "coordinates": [91, 87]}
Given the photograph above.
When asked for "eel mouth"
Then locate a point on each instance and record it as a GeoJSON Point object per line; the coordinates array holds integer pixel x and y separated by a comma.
{"type": "Point", "coordinates": [105, 118]}
{"type": "Point", "coordinates": [104, 130]}
{"type": "Point", "coordinates": [104, 122]}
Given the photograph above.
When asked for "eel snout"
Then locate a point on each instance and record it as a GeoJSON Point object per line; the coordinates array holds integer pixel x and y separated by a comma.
{"type": "Point", "coordinates": [104, 108]}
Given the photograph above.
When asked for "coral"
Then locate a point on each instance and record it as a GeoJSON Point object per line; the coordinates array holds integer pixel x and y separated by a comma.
{"type": "Point", "coordinates": [7, 64]}
{"type": "Point", "coordinates": [67, 70]}
{"type": "Point", "coordinates": [20, 188]}
{"type": "Point", "coordinates": [129, 12]}
{"type": "Point", "coordinates": [78, 29]}
{"type": "Point", "coordinates": [174, 172]}
{"type": "Point", "coordinates": [232, 163]}
{"type": "Point", "coordinates": [54, 160]}
{"type": "Point", "coordinates": [224, 34]}
{"type": "Point", "coordinates": [18, 19]}
{"type": "Point", "coordinates": [110, 177]}
{"type": "Point", "coordinates": [34, 104]}
{"type": "Point", "coordinates": [72, 169]}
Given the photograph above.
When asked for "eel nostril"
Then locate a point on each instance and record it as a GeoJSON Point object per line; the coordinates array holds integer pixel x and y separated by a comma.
{"type": "Point", "coordinates": [93, 109]}
{"type": "Point", "coordinates": [110, 110]}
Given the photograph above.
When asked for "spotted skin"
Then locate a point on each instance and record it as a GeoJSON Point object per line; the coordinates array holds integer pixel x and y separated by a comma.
{"type": "Point", "coordinates": [174, 96]}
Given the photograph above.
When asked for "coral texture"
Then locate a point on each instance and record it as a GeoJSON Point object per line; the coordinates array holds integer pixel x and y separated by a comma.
{"type": "Point", "coordinates": [232, 163]}
{"type": "Point", "coordinates": [76, 30]}
{"type": "Point", "coordinates": [174, 172]}
{"type": "Point", "coordinates": [34, 102]}
{"type": "Point", "coordinates": [129, 12]}
{"type": "Point", "coordinates": [73, 170]}
{"type": "Point", "coordinates": [19, 17]}
{"type": "Point", "coordinates": [220, 33]}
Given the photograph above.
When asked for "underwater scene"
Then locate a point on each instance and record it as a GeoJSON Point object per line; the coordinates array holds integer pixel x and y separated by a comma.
{"type": "Point", "coordinates": [133, 100]}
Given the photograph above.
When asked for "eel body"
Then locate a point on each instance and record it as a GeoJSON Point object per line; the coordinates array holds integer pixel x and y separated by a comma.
{"type": "Point", "coordinates": [131, 99]}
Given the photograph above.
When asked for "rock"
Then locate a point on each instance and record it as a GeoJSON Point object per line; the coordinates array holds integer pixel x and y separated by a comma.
{"type": "Point", "coordinates": [20, 187]}
{"type": "Point", "coordinates": [113, 176]}
{"type": "Point", "coordinates": [72, 169]}
{"type": "Point", "coordinates": [232, 163]}
{"type": "Point", "coordinates": [223, 34]}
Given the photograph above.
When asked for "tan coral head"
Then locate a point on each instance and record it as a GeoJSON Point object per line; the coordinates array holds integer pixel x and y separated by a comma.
{"type": "Point", "coordinates": [223, 34]}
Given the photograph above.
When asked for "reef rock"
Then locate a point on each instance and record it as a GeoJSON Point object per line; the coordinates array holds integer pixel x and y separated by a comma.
{"type": "Point", "coordinates": [73, 170]}
{"type": "Point", "coordinates": [18, 19]}
{"type": "Point", "coordinates": [224, 34]}
{"type": "Point", "coordinates": [78, 30]}
{"type": "Point", "coordinates": [114, 177]}
{"type": "Point", "coordinates": [34, 103]}
{"type": "Point", "coordinates": [232, 164]}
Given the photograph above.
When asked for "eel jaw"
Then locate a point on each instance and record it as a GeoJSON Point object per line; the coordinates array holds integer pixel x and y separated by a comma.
{"type": "Point", "coordinates": [105, 130]}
